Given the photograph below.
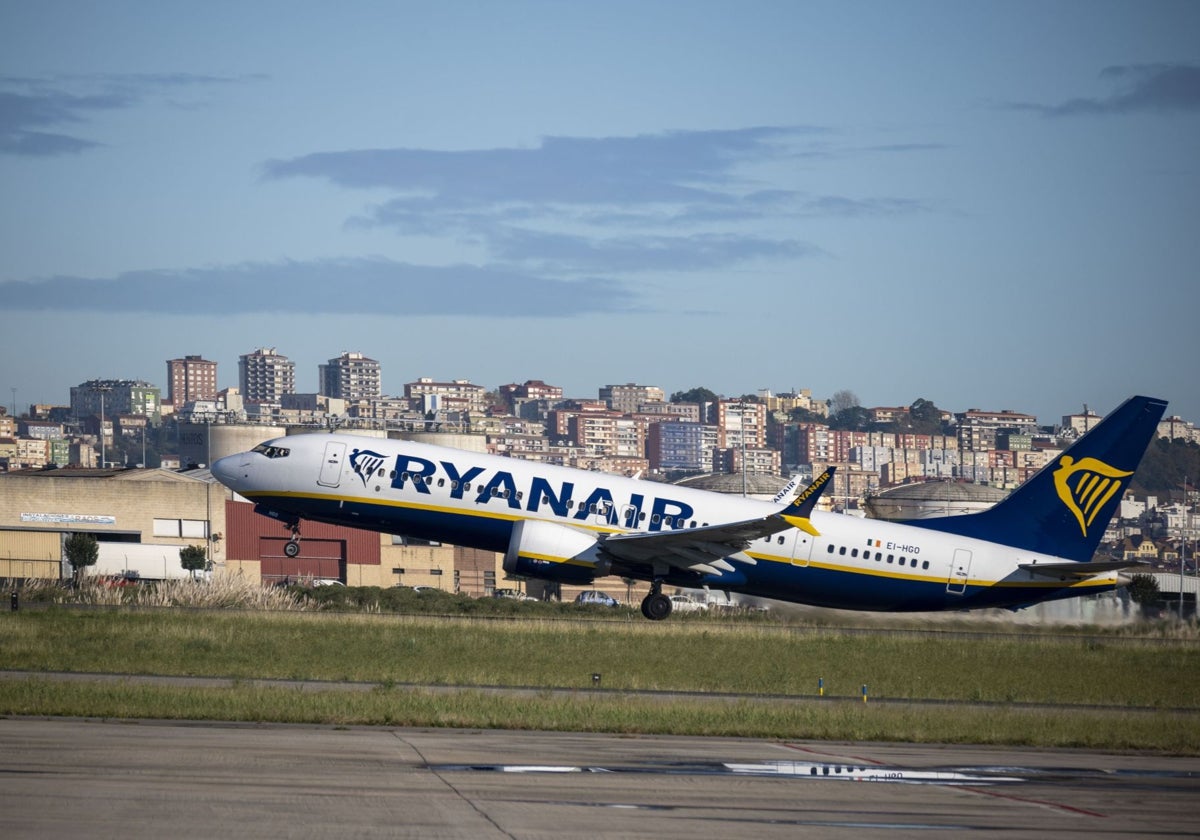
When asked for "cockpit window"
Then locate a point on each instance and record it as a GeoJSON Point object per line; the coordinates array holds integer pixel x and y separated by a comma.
{"type": "Point", "coordinates": [272, 451]}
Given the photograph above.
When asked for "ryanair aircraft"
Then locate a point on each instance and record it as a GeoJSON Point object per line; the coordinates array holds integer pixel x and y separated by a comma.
{"type": "Point", "coordinates": [573, 526]}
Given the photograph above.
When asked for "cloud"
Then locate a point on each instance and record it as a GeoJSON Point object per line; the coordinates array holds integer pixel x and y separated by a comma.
{"type": "Point", "coordinates": [370, 286]}
{"type": "Point", "coordinates": [668, 201]}
{"type": "Point", "coordinates": [676, 166]}
{"type": "Point", "coordinates": [566, 252]}
{"type": "Point", "coordinates": [28, 105]}
{"type": "Point", "coordinates": [1142, 88]}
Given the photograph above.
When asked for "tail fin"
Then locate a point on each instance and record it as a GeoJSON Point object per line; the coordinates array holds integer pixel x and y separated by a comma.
{"type": "Point", "coordinates": [1064, 508]}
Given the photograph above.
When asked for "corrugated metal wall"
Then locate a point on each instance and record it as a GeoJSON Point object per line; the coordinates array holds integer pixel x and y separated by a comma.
{"type": "Point", "coordinates": [30, 554]}
{"type": "Point", "coordinates": [326, 551]}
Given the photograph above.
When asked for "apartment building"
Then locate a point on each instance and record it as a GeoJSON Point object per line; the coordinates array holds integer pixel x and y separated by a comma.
{"type": "Point", "coordinates": [109, 397]}
{"type": "Point", "coordinates": [190, 379]}
{"type": "Point", "coordinates": [458, 395]}
{"type": "Point", "coordinates": [627, 398]}
{"type": "Point", "coordinates": [351, 377]}
{"type": "Point", "coordinates": [264, 376]}
{"type": "Point", "coordinates": [741, 424]}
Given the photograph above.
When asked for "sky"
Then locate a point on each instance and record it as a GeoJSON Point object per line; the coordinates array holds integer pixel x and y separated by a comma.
{"type": "Point", "coordinates": [989, 205]}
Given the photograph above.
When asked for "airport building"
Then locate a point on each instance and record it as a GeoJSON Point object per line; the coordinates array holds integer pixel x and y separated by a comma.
{"type": "Point", "coordinates": [141, 518]}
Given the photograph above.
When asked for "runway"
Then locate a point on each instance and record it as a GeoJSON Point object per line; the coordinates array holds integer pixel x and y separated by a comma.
{"type": "Point", "coordinates": [150, 779]}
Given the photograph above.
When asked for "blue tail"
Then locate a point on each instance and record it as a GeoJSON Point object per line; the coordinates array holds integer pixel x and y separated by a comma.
{"type": "Point", "coordinates": [1063, 509]}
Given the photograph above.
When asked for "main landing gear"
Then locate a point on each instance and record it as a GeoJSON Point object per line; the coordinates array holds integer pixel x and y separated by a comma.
{"type": "Point", "coordinates": [656, 606]}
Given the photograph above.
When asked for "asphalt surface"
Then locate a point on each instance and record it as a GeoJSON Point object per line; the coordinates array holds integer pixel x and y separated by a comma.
{"type": "Point", "coordinates": [151, 779]}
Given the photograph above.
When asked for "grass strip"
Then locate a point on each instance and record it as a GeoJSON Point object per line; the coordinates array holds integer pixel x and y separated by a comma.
{"type": "Point", "coordinates": [730, 658]}
{"type": "Point", "coordinates": [841, 720]}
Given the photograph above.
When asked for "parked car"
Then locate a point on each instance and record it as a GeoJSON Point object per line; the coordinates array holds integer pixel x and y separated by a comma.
{"type": "Point", "coordinates": [595, 596]}
{"type": "Point", "coordinates": [515, 594]}
{"type": "Point", "coordinates": [682, 603]}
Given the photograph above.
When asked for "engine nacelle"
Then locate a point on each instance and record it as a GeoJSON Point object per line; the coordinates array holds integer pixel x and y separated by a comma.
{"type": "Point", "coordinates": [548, 551]}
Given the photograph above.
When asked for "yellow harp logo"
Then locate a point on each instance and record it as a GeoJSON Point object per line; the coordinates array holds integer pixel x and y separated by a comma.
{"type": "Point", "coordinates": [1085, 487]}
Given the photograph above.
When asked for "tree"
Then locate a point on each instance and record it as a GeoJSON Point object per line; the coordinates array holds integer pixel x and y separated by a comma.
{"type": "Point", "coordinates": [925, 417]}
{"type": "Point", "coordinates": [1143, 589]}
{"type": "Point", "coordinates": [843, 400]}
{"type": "Point", "coordinates": [696, 395]}
{"type": "Point", "coordinates": [193, 558]}
{"type": "Point", "coordinates": [82, 551]}
{"type": "Point", "coordinates": [804, 415]}
{"type": "Point", "coordinates": [854, 418]}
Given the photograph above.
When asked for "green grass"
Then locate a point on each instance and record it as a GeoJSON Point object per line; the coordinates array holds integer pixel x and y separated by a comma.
{"type": "Point", "coordinates": [629, 655]}
{"type": "Point", "coordinates": [387, 650]}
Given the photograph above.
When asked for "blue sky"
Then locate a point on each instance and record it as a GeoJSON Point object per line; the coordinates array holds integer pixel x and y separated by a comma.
{"type": "Point", "coordinates": [992, 205]}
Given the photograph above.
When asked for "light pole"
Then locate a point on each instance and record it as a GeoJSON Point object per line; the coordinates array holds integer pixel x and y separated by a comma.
{"type": "Point", "coordinates": [102, 389]}
{"type": "Point", "coordinates": [1183, 544]}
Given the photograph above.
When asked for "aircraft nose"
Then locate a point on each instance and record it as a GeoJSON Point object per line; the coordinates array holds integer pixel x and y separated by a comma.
{"type": "Point", "coordinates": [232, 470]}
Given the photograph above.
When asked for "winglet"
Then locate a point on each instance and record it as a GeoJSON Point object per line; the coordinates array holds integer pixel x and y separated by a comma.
{"type": "Point", "coordinates": [798, 512]}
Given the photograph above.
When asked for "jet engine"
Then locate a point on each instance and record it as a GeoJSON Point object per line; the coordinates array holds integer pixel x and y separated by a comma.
{"type": "Point", "coordinates": [548, 551]}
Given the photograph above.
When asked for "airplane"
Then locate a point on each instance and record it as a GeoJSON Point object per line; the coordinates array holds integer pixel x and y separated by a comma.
{"type": "Point", "coordinates": [572, 526]}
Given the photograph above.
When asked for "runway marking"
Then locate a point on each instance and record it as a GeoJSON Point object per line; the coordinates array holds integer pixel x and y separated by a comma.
{"type": "Point", "coordinates": [814, 771]}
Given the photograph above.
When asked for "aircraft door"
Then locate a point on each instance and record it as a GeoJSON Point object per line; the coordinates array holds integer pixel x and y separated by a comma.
{"type": "Point", "coordinates": [603, 513]}
{"type": "Point", "coordinates": [960, 571]}
{"type": "Point", "coordinates": [331, 464]}
{"type": "Point", "coordinates": [802, 549]}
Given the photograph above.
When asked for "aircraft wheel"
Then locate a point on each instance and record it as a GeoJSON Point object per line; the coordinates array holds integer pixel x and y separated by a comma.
{"type": "Point", "coordinates": [291, 548]}
{"type": "Point", "coordinates": [656, 607]}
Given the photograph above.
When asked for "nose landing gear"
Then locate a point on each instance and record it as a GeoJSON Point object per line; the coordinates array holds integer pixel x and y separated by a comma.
{"type": "Point", "coordinates": [292, 547]}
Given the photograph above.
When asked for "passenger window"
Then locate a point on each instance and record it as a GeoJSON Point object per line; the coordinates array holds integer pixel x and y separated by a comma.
{"type": "Point", "coordinates": [780, 540]}
{"type": "Point", "coordinates": [878, 555]}
{"type": "Point", "coordinates": [854, 552]}
{"type": "Point", "coordinates": [830, 549]}
{"type": "Point", "coordinates": [842, 551]}
{"type": "Point", "coordinates": [925, 564]}
{"type": "Point", "coordinates": [889, 558]}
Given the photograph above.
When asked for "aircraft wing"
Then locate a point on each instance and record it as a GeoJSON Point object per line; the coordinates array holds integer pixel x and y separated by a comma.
{"type": "Point", "coordinates": [708, 550]}
{"type": "Point", "coordinates": [1081, 570]}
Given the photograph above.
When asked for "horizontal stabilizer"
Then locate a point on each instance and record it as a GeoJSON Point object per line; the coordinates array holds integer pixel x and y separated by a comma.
{"type": "Point", "coordinates": [1081, 570]}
